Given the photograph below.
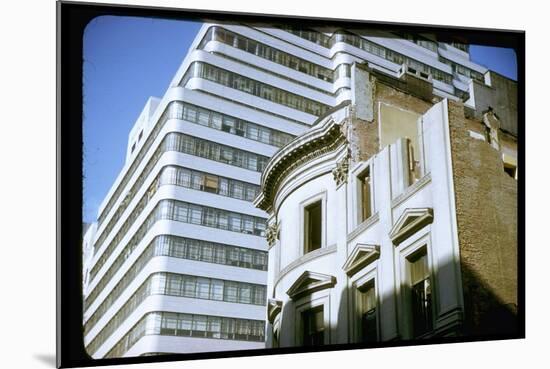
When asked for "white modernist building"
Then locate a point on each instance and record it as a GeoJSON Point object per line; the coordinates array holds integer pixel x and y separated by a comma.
{"type": "Point", "coordinates": [177, 260]}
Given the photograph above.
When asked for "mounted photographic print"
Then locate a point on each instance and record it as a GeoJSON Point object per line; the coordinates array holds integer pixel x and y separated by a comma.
{"type": "Point", "coordinates": [237, 185]}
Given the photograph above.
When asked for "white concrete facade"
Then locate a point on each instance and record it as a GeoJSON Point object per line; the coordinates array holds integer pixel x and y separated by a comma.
{"type": "Point", "coordinates": [116, 267]}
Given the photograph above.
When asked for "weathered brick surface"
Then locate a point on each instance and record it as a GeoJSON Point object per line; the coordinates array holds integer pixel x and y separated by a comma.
{"type": "Point", "coordinates": [363, 129]}
{"type": "Point", "coordinates": [486, 210]}
{"type": "Point", "coordinates": [486, 205]}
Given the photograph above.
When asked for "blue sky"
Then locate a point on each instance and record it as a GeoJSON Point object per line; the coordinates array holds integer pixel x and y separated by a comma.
{"type": "Point", "coordinates": [128, 59]}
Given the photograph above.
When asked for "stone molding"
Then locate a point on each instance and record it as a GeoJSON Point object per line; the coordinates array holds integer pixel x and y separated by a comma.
{"type": "Point", "coordinates": [409, 223]}
{"type": "Point", "coordinates": [340, 173]}
{"type": "Point", "coordinates": [274, 307]}
{"type": "Point", "coordinates": [361, 256]}
{"type": "Point", "coordinates": [272, 234]}
{"type": "Point", "coordinates": [304, 259]}
{"type": "Point", "coordinates": [363, 226]}
{"type": "Point", "coordinates": [321, 139]}
{"type": "Point", "coordinates": [309, 282]}
{"type": "Point", "coordinates": [411, 190]}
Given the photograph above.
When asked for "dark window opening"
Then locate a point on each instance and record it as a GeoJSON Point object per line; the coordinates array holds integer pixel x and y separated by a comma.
{"type": "Point", "coordinates": [314, 327]}
{"type": "Point", "coordinates": [364, 183]}
{"type": "Point", "coordinates": [313, 224]}
{"type": "Point", "coordinates": [369, 332]}
{"type": "Point", "coordinates": [510, 170]}
{"type": "Point", "coordinates": [421, 294]}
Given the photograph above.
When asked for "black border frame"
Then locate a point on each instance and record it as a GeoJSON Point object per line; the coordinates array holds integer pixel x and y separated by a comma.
{"type": "Point", "coordinates": [72, 18]}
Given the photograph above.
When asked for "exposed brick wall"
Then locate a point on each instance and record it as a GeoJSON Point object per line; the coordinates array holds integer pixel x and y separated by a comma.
{"type": "Point", "coordinates": [486, 206]}
{"type": "Point", "coordinates": [389, 95]}
{"type": "Point", "coordinates": [367, 139]}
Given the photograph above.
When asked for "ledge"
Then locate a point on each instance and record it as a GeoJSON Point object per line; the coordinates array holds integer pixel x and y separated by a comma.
{"type": "Point", "coordinates": [370, 221]}
{"type": "Point", "coordinates": [411, 190]}
{"type": "Point", "coordinates": [304, 259]}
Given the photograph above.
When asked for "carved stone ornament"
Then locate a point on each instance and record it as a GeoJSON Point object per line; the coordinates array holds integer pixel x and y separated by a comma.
{"type": "Point", "coordinates": [340, 173]}
{"type": "Point", "coordinates": [272, 234]}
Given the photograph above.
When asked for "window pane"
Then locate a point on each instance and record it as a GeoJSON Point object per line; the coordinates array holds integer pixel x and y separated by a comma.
{"type": "Point", "coordinates": [421, 301]}
{"type": "Point", "coordinates": [185, 324]}
{"type": "Point", "coordinates": [364, 182]}
{"type": "Point", "coordinates": [313, 327]}
{"type": "Point", "coordinates": [245, 295]}
{"type": "Point", "coordinates": [230, 291]}
{"type": "Point", "coordinates": [313, 218]}
{"type": "Point", "coordinates": [174, 285]}
{"type": "Point", "coordinates": [368, 314]}
{"type": "Point", "coordinates": [217, 290]}
{"type": "Point", "coordinates": [189, 287]}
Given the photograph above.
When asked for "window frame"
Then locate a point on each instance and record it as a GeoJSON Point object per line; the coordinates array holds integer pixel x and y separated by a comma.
{"type": "Point", "coordinates": [360, 280]}
{"type": "Point", "coordinates": [417, 255]}
{"type": "Point", "coordinates": [357, 196]}
{"type": "Point", "coordinates": [420, 242]}
{"type": "Point", "coordinates": [304, 227]}
{"type": "Point", "coordinates": [309, 302]}
{"type": "Point", "coordinates": [360, 291]}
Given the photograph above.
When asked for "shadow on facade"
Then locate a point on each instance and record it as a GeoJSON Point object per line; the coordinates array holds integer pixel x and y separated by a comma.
{"type": "Point", "coordinates": [486, 316]}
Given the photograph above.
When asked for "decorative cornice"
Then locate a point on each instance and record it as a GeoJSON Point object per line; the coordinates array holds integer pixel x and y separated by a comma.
{"type": "Point", "coordinates": [273, 309]}
{"type": "Point", "coordinates": [361, 256]}
{"type": "Point", "coordinates": [323, 138]}
{"type": "Point", "coordinates": [340, 173]}
{"type": "Point", "coordinates": [409, 223]}
{"type": "Point", "coordinates": [309, 282]}
{"type": "Point", "coordinates": [272, 234]}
